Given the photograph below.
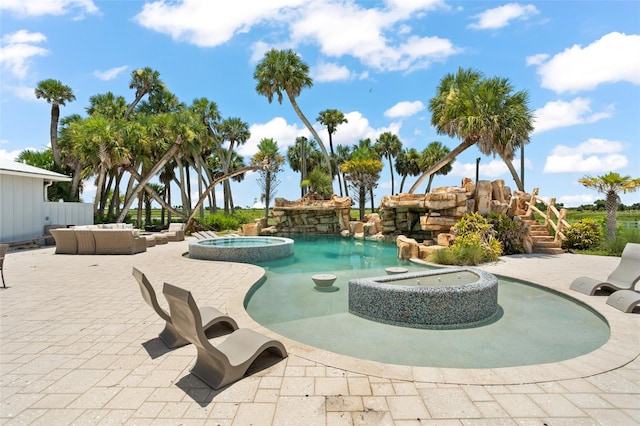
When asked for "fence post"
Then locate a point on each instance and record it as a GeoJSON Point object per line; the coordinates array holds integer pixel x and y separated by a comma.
{"type": "Point", "coordinates": [560, 227]}
{"type": "Point", "coordinates": [548, 217]}
{"type": "Point", "coordinates": [532, 202]}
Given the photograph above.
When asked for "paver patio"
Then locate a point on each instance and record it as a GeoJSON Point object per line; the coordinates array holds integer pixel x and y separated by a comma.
{"type": "Point", "coordinates": [79, 346]}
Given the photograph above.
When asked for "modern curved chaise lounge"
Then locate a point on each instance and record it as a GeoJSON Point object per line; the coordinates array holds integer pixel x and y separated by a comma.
{"type": "Point", "coordinates": [624, 277]}
{"type": "Point", "coordinates": [624, 300]}
{"type": "Point", "coordinates": [209, 316]}
{"type": "Point", "coordinates": [220, 365]}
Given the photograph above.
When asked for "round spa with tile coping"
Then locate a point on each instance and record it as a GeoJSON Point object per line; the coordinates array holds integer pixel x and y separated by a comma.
{"type": "Point", "coordinates": [445, 298]}
{"type": "Point", "coordinates": [242, 249]}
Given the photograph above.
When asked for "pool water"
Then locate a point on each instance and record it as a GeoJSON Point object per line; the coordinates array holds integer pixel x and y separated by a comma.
{"type": "Point", "coordinates": [535, 325]}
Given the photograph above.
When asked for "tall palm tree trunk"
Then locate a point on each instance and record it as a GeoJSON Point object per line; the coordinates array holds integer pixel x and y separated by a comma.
{"type": "Point", "coordinates": [440, 164]}
{"type": "Point", "coordinates": [315, 134]}
{"type": "Point", "coordinates": [611, 205]}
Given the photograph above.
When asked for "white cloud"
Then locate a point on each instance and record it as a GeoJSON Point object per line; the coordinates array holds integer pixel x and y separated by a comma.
{"type": "Point", "coordinates": [563, 114]}
{"type": "Point", "coordinates": [502, 16]}
{"type": "Point", "coordinates": [326, 71]}
{"type": "Point", "coordinates": [9, 155]}
{"type": "Point", "coordinates": [404, 109]}
{"type": "Point", "coordinates": [191, 20]}
{"type": "Point", "coordinates": [576, 200]}
{"type": "Point", "coordinates": [538, 59]}
{"type": "Point", "coordinates": [49, 7]}
{"type": "Point", "coordinates": [377, 37]}
{"type": "Point", "coordinates": [493, 169]}
{"type": "Point", "coordinates": [111, 73]}
{"type": "Point", "coordinates": [612, 58]}
{"type": "Point", "coordinates": [592, 155]}
{"type": "Point", "coordinates": [357, 128]}
{"type": "Point", "coordinates": [18, 48]}
{"type": "Point", "coordinates": [370, 35]}
{"type": "Point", "coordinates": [278, 130]}
{"type": "Point", "coordinates": [25, 93]}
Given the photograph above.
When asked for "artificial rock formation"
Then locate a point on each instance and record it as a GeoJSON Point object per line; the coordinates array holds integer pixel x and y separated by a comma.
{"type": "Point", "coordinates": [310, 215]}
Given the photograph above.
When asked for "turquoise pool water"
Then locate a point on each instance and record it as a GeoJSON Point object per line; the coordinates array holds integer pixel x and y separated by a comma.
{"type": "Point", "coordinates": [536, 325]}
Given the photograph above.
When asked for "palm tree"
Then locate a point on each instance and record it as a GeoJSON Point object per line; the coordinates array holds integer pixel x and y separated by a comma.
{"type": "Point", "coordinates": [107, 104]}
{"type": "Point", "coordinates": [303, 156]}
{"type": "Point", "coordinates": [67, 138]}
{"type": "Point", "coordinates": [319, 182]}
{"type": "Point", "coordinates": [433, 153]}
{"type": "Point", "coordinates": [388, 145]}
{"type": "Point", "coordinates": [269, 156]}
{"type": "Point", "coordinates": [363, 171]}
{"type": "Point", "coordinates": [332, 118]}
{"type": "Point", "coordinates": [343, 154]}
{"type": "Point", "coordinates": [144, 80]}
{"type": "Point", "coordinates": [611, 185]}
{"type": "Point", "coordinates": [482, 112]}
{"type": "Point", "coordinates": [284, 70]}
{"type": "Point", "coordinates": [57, 94]}
{"type": "Point", "coordinates": [407, 164]}
{"type": "Point", "coordinates": [236, 132]}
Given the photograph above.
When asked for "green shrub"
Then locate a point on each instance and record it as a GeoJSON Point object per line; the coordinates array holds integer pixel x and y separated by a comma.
{"type": "Point", "coordinates": [474, 243]}
{"type": "Point", "coordinates": [583, 235]}
{"type": "Point", "coordinates": [443, 257]}
{"type": "Point", "coordinates": [511, 233]}
{"type": "Point", "coordinates": [615, 246]}
{"type": "Point", "coordinates": [219, 222]}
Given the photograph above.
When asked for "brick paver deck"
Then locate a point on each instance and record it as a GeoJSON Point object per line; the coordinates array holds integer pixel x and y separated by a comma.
{"type": "Point", "coordinates": [79, 346]}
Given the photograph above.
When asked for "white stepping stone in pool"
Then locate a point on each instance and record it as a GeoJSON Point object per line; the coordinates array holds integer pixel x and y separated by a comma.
{"type": "Point", "coordinates": [396, 270]}
{"type": "Point", "coordinates": [324, 282]}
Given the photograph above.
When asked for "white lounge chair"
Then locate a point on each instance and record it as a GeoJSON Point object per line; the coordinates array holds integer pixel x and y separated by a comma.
{"type": "Point", "coordinates": [217, 366]}
{"type": "Point", "coordinates": [624, 277]}
{"type": "Point", "coordinates": [624, 300]}
{"type": "Point", "coordinates": [209, 315]}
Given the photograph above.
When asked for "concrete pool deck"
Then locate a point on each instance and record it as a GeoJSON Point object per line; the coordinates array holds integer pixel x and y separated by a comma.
{"type": "Point", "coordinates": [79, 346]}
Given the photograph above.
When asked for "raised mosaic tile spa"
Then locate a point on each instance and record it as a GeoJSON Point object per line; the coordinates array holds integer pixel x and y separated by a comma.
{"type": "Point", "coordinates": [447, 298]}
{"type": "Point", "coordinates": [242, 249]}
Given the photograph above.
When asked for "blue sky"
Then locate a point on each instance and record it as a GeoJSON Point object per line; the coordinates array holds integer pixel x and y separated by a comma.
{"type": "Point", "coordinates": [379, 62]}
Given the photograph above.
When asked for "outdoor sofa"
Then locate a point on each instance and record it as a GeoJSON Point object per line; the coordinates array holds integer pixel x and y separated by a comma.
{"type": "Point", "coordinates": [116, 238]}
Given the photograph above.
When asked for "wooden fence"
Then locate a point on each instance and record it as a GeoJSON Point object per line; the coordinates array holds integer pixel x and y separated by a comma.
{"type": "Point", "coordinates": [553, 219]}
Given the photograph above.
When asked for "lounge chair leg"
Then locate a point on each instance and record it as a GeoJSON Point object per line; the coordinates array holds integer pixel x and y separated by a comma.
{"type": "Point", "coordinates": [171, 338]}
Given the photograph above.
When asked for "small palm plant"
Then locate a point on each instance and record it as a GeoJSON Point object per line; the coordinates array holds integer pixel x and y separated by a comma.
{"type": "Point", "coordinates": [611, 184]}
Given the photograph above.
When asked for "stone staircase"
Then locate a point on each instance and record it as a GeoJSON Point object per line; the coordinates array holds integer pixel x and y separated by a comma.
{"type": "Point", "coordinates": [542, 241]}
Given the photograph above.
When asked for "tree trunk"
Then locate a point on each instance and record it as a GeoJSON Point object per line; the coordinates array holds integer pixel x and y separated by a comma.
{"type": "Point", "coordinates": [315, 134]}
{"type": "Point", "coordinates": [99, 184]}
{"type": "Point", "coordinates": [190, 219]}
{"type": "Point", "coordinates": [75, 183]}
{"type": "Point", "coordinates": [362, 202]}
{"type": "Point", "coordinates": [182, 184]}
{"type": "Point", "coordinates": [429, 184]}
{"type": "Point", "coordinates": [144, 180]}
{"type": "Point", "coordinates": [404, 177]}
{"type": "Point", "coordinates": [373, 207]}
{"type": "Point", "coordinates": [514, 174]}
{"type": "Point", "coordinates": [133, 105]}
{"type": "Point", "coordinates": [53, 134]}
{"type": "Point", "coordinates": [440, 164]}
{"type": "Point", "coordinates": [267, 195]}
{"type": "Point", "coordinates": [611, 204]}
{"type": "Point", "coordinates": [391, 169]}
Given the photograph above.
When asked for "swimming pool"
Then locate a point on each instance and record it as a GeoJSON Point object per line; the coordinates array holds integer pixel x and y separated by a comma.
{"type": "Point", "coordinates": [534, 325]}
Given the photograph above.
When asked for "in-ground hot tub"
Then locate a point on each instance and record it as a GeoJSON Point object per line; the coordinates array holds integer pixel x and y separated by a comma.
{"type": "Point", "coordinates": [447, 298]}
{"type": "Point", "coordinates": [242, 249]}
